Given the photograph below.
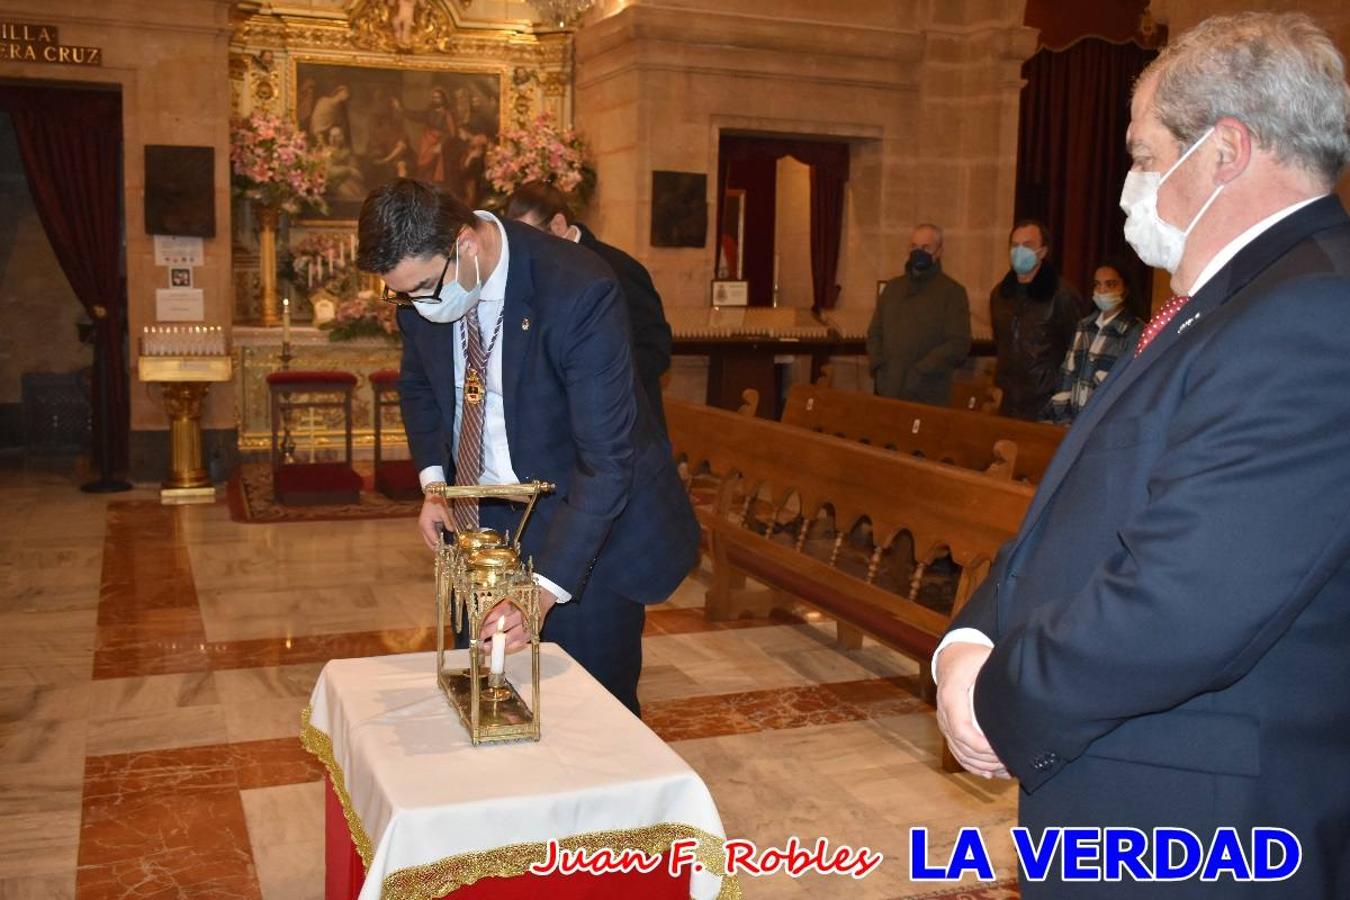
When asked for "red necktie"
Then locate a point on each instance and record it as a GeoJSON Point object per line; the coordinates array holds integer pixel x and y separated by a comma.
{"type": "Point", "coordinates": [1160, 320]}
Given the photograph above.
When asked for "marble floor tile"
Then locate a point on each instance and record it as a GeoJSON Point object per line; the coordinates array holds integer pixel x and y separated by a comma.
{"type": "Point", "coordinates": [264, 703]}
{"type": "Point", "coordinates": [39, 843]}
{"type": "Point", "coordinates": [287, 814]}
{"type": "Point", "coordinates": [274, 763]}
{"type": "Point", "coordinates": [167, 823]}
{"type": "Point", "coordinates": [172, 727]}
{"type": "Point", "coordinates": [39, 887]}
{"type": "Point", "coordinates": [286, 826]}
{"type": "Point", "coordinates": [43, 722]}
{"type": "Point", "coordinates": [234, 614]}
{"type": "Point", "coordinates": [49, 785]}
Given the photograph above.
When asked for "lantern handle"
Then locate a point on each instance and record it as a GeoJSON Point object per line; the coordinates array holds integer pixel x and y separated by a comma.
{"type": "Point", "coordinates": [529, 489]}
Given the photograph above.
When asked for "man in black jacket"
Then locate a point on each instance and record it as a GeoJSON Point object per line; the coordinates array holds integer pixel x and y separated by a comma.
{"type": "Point", "coordinates": [1034, 313]}
{"type": "Point", "coordinates": [545, 207]}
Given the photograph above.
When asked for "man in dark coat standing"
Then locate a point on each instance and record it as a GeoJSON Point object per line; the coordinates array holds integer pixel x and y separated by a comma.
{"type": "Point", "coordinates": [1164, 642]}
{"type": "Point", "coordinates": [543, 206]}
{"type": "Point", "coordinates": [920, 332]}
{"type": "Point", "coordinates": [1034, 313]}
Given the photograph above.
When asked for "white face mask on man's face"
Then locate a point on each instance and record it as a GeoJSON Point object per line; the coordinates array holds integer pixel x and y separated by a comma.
{"type": "Point", "coordinates": [456, 300]}
{"type": "Point", "coordinates": [1158, 243]}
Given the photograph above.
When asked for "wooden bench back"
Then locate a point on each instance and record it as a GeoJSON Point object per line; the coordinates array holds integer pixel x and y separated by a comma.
{"type": "Point", "coordinates": [941, 506]}
{"type": "Point", "coordinates": [957, 436]}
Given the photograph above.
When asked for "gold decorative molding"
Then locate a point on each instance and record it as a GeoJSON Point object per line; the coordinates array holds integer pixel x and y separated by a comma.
{"type": "Point", "coordinates": [402, 26]}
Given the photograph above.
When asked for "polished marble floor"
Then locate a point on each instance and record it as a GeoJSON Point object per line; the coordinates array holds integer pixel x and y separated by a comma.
{"type": "Point", "coordinates": [154, 662]}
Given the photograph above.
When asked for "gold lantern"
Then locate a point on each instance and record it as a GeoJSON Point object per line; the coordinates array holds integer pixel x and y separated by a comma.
{"type": "Point", "coordinates": [476, 571]}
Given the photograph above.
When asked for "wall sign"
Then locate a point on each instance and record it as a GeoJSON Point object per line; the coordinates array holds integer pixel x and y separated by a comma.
{"type": "Point", "coordinates": [27, 42]}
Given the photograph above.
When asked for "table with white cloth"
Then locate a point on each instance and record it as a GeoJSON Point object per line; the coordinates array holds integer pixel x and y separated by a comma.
{"type": "Point", "coordinates": [424, 813]}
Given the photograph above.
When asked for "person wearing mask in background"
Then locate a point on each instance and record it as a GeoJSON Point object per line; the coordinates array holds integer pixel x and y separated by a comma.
{"type": "Point", "coordinates": [1103, 337]}
{"type": "Point", "coordinates": [544, 207]}
{"type": "Point", "coordinates": [920, 332]}
{"type": "Point", "coordinates": [1034, 313]}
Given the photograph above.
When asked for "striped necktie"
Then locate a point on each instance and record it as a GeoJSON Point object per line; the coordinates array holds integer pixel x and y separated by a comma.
{"type": "Point", "coordinates": [1160, 320]}
{"type": "Point", "coordinates": [472, 417]}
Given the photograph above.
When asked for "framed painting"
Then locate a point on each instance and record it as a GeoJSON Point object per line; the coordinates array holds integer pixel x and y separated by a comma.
{"type": "Point", "coordinates": [379, 123]}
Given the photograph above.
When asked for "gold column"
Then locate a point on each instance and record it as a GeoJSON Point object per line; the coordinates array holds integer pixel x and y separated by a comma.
{"type": "Point", "coordinates": [183, 402]}
{"type": "Point", "coordinates": [184, 381]}
{"type": "Point", "coordinates": [267, 263]}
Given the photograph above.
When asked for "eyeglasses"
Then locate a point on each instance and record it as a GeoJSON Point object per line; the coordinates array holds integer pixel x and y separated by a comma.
{"type": "Point", "coordinates": [405, 300]}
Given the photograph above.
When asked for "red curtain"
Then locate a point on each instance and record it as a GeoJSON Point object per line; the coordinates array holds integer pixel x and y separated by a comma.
{"type": "Point", "coordinates": [829, 162]}
{"type": "Point", "coordinates": [1071, 159]}
{"type": "Point", "coordinates": [70, 141]}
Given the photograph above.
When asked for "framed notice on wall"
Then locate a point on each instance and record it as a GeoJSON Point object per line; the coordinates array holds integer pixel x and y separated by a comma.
{"type": "Point", "coordinates": [726, 292]}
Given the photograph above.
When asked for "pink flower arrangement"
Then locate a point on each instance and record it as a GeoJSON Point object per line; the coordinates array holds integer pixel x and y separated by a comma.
{"type": "Point", "coordinates": [363, 315]}
{"type": "Point", "coordinates": [274, 164]}
{"type": "Point", "coordinates": [541, 152]}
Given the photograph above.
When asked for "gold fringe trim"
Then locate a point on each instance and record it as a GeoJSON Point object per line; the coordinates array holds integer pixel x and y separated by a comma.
{"type": "Point", "coordinates": [454, 872]}
{"type": "Point", "coordinates": [321, 746]}
{"type": "Point", "coordinates": [437, 879]}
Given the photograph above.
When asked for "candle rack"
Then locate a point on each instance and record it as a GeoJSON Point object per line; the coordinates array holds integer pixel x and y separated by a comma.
{"type": "Point", "coordinates": [475, 572]}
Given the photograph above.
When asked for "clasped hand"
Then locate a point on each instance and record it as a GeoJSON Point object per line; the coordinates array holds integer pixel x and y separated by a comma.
{"type": "Point", "coordinates": [959, 665]}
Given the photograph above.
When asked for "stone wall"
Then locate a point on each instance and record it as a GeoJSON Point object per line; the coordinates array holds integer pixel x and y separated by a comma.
{"type": "Point", "coordinates": [169, 58]}
{"type": "Point", "coordinates": [926, 93]}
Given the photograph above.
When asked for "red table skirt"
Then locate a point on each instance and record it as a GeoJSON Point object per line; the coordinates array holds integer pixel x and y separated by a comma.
{"type": "Point", "coordinates": [345, 874]}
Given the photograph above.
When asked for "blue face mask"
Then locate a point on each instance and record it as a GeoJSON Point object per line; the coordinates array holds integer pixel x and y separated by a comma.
{"type": "Point", "coordinates": [456, 301]}
{"type": "Point", "coordinates": [1024, 259]}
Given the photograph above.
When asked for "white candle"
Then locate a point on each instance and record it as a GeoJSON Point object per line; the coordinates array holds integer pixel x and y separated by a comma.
{"type": "Point", "coordinates": [353, 245]}
{"type": "Point", "coordinates": [286, 320]}
{"type": "Point", "coordinates": [499, 647]}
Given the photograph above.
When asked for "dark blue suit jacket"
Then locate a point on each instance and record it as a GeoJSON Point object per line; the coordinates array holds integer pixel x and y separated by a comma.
{"type": "Point", "coordinates": [574, 417]}
{"type": "Point", "coordinates": [1172, 622]}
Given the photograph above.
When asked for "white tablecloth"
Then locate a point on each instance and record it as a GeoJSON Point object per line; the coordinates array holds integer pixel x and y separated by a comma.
{"type": "Point", "coordinates": [427, 807]}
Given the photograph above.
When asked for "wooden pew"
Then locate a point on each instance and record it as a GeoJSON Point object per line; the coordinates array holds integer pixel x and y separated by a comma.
{"type": "Point", "coordinates": [971, 440]}
{"type": "Point", "coordinates": [753, 528]}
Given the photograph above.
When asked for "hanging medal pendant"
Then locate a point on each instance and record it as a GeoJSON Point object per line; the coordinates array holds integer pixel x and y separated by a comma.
{"type": "Point", "coordinates": [473, 388]}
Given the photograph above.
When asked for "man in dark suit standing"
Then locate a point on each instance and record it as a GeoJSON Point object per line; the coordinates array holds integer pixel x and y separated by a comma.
{"type": "Point", "coordinates": [516, 366]}
{"type": "Point", "coordinates": [1165, 641]}
{"type": "Point", "coordinates": [545, 207]}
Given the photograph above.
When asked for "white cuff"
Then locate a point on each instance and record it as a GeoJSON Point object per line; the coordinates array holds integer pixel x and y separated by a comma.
{"type": "Point", "coordinates": [552, 588]}
{"type": "Point", "coordinates": [959, 636]}
{"type": "Point", "coordinates": [430, 474]}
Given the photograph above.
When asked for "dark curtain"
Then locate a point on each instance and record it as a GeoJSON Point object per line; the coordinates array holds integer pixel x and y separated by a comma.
{"type": "Point", "coordinates": [71, 144]}
{"type": "Point", "coordinates": [758, 177]}
{"type": "Point", "coordinates": [827, 221]}
{"type": "Point", "coordinates": [829, 162]}
{"type": "Point", "coordinates": [1071, 159]}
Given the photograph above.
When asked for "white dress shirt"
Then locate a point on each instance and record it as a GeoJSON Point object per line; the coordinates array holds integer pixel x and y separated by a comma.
{"type": "Point", "coordinates": [496, 453]}
{"type": "Point", "coordinates": [1219, 260]}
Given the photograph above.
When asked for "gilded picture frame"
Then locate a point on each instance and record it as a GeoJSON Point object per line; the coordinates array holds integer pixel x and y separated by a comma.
{"type": "Point", "coordinates": [420, 117]}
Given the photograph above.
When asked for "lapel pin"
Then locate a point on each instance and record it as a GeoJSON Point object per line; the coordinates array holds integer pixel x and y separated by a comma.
{"type": "Point", "coordinates": [1186, 324]}
{"type": "Point", "coordinates": [525, 324]}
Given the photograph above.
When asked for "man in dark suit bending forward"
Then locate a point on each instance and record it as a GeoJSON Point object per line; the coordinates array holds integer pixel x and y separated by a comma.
{"type": "Point", "coordinates": [517, 366]}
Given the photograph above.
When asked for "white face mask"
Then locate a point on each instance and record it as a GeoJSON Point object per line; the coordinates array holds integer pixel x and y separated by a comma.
{"type": "Point", "coordinates": [455, 300]}
{"type": "Point", "coordinates": [1108, 302]}
{"type": "Point", "coordinates": [1158, 243]}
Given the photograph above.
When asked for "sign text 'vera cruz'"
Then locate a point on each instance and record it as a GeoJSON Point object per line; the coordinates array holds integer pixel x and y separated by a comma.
{"type": "Point", "coordinates": [26, 42]}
